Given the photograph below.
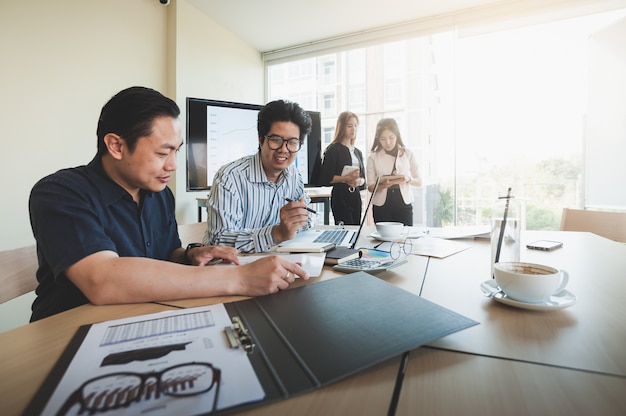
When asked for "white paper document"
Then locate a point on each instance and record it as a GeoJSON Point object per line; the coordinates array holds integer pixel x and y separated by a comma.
{"type": "Point", "coordinates": [437, 247]}
{"type": "Point", "coordinates": [311, 262]}
{"type": "Point", "coordinates": [423, 246]}
{"type": "Point", "coordinates": [146, 346]}
{"type": "Point", "coordinates": [450, 233]}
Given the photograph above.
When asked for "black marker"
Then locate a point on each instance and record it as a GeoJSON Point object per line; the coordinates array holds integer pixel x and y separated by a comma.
{"type": "Point", "coordinates": [307, 208]}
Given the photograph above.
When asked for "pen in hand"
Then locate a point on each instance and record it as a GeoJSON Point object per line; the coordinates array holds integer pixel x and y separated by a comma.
{"type": "Point", "coordinates": [307, 208]}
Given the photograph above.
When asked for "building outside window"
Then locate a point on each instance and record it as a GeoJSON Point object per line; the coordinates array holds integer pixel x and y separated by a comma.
{"type": "Point", "coordinates": [481, 112]}
{"type": "Point", "coordinates": [329, 107]}
{"type": "Point", "coordinates": [329, 73]}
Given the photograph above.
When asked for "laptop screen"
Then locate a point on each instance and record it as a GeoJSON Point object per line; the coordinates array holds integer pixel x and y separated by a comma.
{"type": "Point", "coordinates": [369, 203]}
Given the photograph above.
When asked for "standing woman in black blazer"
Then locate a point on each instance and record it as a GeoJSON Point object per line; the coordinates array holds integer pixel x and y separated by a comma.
{"type": "Point", "coordinates": [345, 198]}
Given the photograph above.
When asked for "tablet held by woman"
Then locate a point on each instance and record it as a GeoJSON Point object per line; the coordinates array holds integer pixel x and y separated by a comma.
{"type": "Point", "coordinates": [397, 167]}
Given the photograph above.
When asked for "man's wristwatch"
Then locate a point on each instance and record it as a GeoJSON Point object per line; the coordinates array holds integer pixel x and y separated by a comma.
{"type": "Point", "coordinates": [189, 247]}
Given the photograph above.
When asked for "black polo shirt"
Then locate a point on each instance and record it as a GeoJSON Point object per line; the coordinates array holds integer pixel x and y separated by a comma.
{"type": "Point", "coordinates": [80, 211]}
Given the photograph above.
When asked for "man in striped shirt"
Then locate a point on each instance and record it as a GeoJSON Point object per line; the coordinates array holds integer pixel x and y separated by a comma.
{"type": "Point", "coordinates": [246, 206]}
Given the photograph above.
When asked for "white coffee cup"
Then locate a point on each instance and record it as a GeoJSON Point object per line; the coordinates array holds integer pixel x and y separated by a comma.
{"type": "Point", "coordinates": [389, 229]}
{"type": "Point", "coordinates": [529, 282]}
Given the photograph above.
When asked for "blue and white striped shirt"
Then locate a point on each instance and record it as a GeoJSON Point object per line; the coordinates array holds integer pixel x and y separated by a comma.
{"type": "Point", "coordinates": [243, 205]}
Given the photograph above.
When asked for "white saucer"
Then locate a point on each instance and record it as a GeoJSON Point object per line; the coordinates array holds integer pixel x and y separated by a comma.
{"type": "Point", "coordinates": [560, 300]}
{"type": "Point", "coordinates": [399, 238]}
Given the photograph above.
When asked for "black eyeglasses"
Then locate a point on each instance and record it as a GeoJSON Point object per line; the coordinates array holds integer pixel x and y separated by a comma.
{"type": "Point", "coordinates": [117, 390]}
{"type": "Point", "coordinates": [395, 249]}
{"type": "Point", "coordinates": [275, 142]}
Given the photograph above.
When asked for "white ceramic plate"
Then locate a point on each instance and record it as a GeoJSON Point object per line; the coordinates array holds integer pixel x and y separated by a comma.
{"type": "Point", "coordinates": [561, 300]}
{"type": "Point", "coordinates": [377, 236]}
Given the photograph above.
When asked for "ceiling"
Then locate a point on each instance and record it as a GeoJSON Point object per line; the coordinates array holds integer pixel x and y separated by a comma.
{"type": "Point", "coordinates": [268, 25]}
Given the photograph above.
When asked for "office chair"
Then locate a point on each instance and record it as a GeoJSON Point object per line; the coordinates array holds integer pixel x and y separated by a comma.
{"type": "Point", "coordinates": [192, 233]}
{"type": "Point", "coordinates": [19, 266]}
{"type": "Point", "coordinates": [609, 224]}
{"type": "Point", "coordinates": [17, 272]}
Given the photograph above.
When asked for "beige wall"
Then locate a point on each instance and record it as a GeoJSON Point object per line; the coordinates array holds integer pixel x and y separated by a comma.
{"type": "Point", "coordinates": [227, 70]}
{"type": "Point", "coordinates": [61, 60]}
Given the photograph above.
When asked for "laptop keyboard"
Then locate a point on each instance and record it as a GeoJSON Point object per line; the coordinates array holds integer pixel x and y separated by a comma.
{"type": "Point", "coordinates": [331, 236]}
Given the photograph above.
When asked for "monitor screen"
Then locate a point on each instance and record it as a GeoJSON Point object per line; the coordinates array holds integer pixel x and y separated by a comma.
{"type": "Point", "coordinates": [219, 132]}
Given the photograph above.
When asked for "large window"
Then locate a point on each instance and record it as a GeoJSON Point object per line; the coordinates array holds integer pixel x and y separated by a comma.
{"type": "Point", "coordinates": [482, 112]}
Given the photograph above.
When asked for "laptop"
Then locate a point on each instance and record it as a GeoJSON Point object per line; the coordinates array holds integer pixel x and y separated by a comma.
{"type": "Point", "coordinates": [353, 264]}
{"type": "Point", "coordinates": [367, 263]}
{"type": "Point", "coordinates": [339, 236]}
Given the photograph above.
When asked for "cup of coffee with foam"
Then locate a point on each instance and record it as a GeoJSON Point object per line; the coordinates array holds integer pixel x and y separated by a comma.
{"type": "Point", "coordinates": [529, 282]}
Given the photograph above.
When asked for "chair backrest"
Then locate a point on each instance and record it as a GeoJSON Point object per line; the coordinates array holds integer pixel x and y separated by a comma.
{"type": "Point", "coordinates": [192, 233]}
{"type": "Point", "coordinates": [609, 224]}
{"type": "Point", "coordinates": [18, 266]}
{"type": "Point", "coordinates": [17, 272]}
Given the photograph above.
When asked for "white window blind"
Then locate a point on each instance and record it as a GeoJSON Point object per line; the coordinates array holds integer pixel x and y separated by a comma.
{"type": "Point", "coordinates": [606, 120]}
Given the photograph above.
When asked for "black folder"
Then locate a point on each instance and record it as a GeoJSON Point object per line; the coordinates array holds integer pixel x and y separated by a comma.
{"type": "Point", "coordinates": [308, 337]}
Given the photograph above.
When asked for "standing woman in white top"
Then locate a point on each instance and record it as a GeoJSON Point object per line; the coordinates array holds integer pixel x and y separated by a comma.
{"type": "Point", "coordinates": [389, 157]}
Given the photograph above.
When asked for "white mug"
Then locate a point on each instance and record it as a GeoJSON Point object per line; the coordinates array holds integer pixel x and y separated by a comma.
{"type": "Point", "coordinates": [529, 282]}
{"type": "Point", "coordinates": [389, 229]}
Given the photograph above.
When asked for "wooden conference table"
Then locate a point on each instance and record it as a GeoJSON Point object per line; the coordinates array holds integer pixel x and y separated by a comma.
{"type": "Point", "coordinates": [570, 361]}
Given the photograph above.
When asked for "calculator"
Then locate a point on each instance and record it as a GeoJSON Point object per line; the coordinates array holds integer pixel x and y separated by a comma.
{"type": "Point", "coordinates": [366, 265]}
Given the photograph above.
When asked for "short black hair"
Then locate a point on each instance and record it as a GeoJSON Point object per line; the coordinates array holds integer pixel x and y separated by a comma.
{"type": "Point", "coordinates": [281, 110]}
{"type": "Point", "coordinates": [130, 114]}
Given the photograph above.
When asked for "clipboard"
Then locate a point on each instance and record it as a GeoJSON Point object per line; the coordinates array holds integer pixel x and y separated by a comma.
{"type": "Point", "coordinates": [305, 338]}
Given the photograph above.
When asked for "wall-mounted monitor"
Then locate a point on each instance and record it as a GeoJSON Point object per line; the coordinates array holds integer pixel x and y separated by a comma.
{"type": "Point", "coordinates": [219, 132]}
